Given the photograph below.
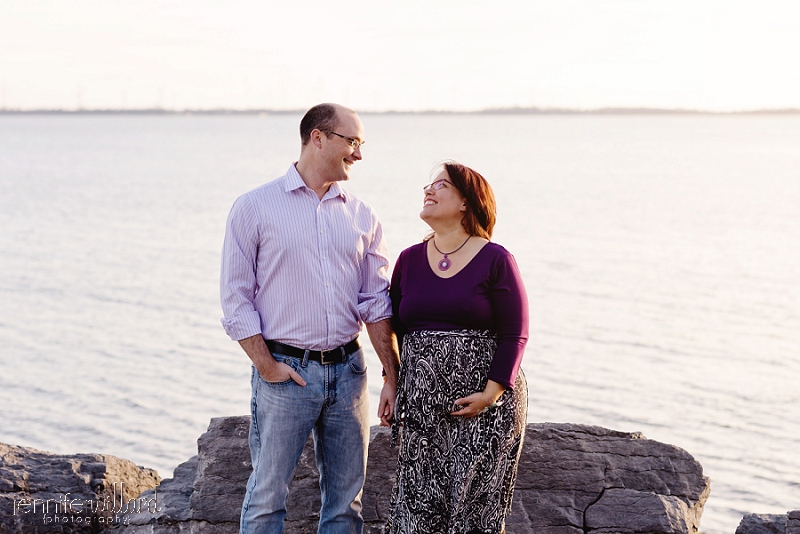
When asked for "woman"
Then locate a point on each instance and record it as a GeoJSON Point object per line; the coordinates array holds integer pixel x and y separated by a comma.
{"type": "Point", "coordinates": [461, 316]}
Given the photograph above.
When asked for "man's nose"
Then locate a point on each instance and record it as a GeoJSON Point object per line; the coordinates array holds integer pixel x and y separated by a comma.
{"type": "Point", "coordinates": [357, 153]}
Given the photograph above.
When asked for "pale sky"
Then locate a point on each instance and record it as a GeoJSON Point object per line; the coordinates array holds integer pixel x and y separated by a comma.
{"type": "Point", "coordinates": [400, 55]}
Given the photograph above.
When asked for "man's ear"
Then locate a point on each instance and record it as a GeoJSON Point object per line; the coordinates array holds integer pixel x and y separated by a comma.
{"type": "Point", "coordinates": [316, 138]}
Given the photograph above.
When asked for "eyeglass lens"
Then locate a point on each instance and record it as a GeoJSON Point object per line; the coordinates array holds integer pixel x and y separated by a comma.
{"type": "Point", "coordinates": [354, 143]}
{"type": "Point", "coordinates": [438, 184]}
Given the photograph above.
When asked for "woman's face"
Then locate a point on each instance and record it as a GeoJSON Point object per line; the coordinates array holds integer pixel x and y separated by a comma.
{"type": "Point", "coordinates": [442, 201]}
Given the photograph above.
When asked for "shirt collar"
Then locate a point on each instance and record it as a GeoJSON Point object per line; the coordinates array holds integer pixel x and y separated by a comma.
{"type": "Point", "coordinates": [293, 181]}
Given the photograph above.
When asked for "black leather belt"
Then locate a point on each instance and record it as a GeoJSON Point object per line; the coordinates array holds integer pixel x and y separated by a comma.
{"type": "Point", "coordinates": [325, 357]}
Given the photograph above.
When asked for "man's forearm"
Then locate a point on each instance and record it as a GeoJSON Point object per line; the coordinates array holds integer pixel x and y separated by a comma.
{"type": "Point", "coordinates": [270, 370]}
{"type": "Point", "coordinates": [385, 344]}
{"type": "Point", "coordinates": [256, 349]}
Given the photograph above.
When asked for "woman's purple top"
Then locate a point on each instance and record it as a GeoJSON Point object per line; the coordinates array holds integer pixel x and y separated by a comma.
{"type": "Point", "coordinates": [487, 294]}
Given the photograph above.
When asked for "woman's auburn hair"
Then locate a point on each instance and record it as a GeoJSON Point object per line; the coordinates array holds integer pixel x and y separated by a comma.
{"type": "Point", "coordinates": [481, 211]}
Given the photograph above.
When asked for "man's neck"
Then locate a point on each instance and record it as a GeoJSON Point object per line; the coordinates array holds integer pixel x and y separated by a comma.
{"type": "Point", "coordinates": [312, 179]}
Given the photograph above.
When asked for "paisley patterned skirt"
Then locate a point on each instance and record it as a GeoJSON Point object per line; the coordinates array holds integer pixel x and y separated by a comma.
{"type": "Point", "coordinates": [455, 475]}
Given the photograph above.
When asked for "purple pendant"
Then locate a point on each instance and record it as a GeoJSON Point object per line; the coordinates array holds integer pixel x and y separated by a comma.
{"type": "Point", "coordinates": [444, 264]}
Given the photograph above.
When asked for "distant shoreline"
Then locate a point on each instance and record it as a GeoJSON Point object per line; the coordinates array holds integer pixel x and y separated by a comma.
{"type": "Point", "coordinates": [490, 111]}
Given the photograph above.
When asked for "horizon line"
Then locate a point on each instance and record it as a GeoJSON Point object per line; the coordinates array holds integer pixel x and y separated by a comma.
{"type": "Point", "coordinates": [486, 111]}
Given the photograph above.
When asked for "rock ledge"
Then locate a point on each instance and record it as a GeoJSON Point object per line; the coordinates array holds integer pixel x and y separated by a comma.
{"type": "Point", "coordinates": [45, 492]}
{"type": "Point", "coordinates": [573, 479]}
{"type": "Point", "coordinates": [788, 523]}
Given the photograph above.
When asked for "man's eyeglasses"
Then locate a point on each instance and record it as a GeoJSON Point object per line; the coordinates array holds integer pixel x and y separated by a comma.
{"type": "Point", "coordinates": [438, 184]}
{"type": "Point", "coordinates": [355, 144]}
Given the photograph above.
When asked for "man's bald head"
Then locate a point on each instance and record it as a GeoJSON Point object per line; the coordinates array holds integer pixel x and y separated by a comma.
{"type": "Point", "coordinates": [323, 117]}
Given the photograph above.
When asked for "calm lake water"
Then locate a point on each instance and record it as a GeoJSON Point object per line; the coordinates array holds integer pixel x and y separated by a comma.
{"type": "Point", "coordinates": [661, 256]}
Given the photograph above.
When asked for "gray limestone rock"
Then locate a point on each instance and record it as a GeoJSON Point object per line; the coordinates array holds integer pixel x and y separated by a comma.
{"type": "Point", "coordinates": [788, 523]}
{"type": "Point", "coordinates": [573, 479]}
{"type": "Point", "coordinates": [639, 511]}
{"type": "Point", "coordinates": [223, 466]}
{"type": "Point", "coordinates": [42, 492]}
{"type": "Point", "coordinates": [793, 522]}
{"type": "Point", "coordinates": [580, 478]}
{"type": "Point", "coordinates": [762, 524]}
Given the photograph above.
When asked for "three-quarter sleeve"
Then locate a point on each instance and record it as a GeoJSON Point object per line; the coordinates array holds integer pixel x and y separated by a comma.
{"type": "Point", "coordinates": [510, 313]}
{"type": "Point", "coordinates": [396, 294]}
{"type": "Point", "coordinates": [238, 272]}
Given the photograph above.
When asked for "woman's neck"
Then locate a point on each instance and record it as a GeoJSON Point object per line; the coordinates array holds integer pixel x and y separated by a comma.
{"type": "Point", "coordinates": [449, 238]}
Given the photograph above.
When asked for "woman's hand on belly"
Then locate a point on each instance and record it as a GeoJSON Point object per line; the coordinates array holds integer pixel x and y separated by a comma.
{"type": "Point", "coordinates": [479, 402]}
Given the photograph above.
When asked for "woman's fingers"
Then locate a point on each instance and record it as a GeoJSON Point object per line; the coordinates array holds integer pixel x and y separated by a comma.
{"type": "Point", "coordinates": [470, 406]}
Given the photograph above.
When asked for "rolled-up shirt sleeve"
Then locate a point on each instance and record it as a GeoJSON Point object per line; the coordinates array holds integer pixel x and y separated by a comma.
{"type": "Point", "coordinates": [374, 303]}
{"type": "Point", "coordinates": [238, 283]}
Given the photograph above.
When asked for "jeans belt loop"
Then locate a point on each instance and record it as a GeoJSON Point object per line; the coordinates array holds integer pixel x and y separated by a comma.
{"type": "Point", "coordinates": [304, 363]}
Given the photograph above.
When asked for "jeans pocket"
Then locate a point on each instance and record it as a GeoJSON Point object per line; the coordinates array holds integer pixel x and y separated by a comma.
{"type": "Point", "coordinates": [294, 364]}
{"type": "Point", "coordinates": [357, 362]}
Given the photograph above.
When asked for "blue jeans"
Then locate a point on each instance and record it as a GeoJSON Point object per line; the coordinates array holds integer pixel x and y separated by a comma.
{"type": "Point", "coordinates": [334, 405]}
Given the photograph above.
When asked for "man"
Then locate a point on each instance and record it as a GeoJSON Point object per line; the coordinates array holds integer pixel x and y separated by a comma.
{"type": "Point", "coordinates": [304, 263]}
